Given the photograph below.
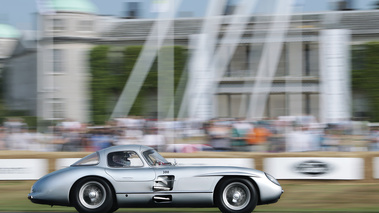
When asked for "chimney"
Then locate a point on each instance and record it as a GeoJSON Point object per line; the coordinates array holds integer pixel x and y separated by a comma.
{"type": "Point", "coordinates": [132, 10]}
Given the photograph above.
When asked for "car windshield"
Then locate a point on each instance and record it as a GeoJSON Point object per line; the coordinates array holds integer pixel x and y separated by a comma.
{"type": "Point", "coordinates": [155, 159]}
{"type": "Point", "coordinates": [89, 160]}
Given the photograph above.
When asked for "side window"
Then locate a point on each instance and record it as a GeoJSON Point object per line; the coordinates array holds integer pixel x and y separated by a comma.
{"type": "Point", "coordinates": [124, 159]}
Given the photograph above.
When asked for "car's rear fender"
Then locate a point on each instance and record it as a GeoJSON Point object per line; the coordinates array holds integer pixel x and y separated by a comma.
{"type": "Point", "coordinates": [93, 176]}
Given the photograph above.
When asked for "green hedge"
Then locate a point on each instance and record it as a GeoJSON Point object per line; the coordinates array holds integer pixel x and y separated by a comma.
{"type": "Point", "coordinates": [110, 72]}
{"type": "Point", "coordinates": [365, 75]}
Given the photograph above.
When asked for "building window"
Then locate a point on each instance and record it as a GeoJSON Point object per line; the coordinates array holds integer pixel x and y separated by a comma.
{"type": "Point", "coordinates": [58, 61]}
{"type": "Point", "coordinates": [58, 24]}
{"type": "Point", "coordinates": [55, 109]}
{"type": "Point", "coordinates": [281, 69]}
{"type": "Point", "coordinates": [238, 105]}
{"type": "Point", "coordinates": [256, 51]}
{"type": "Point", "coordinates": [311, 104]}
{"type": "Point", "coordinates": [85, 25]}
{"type": "Point", "coordinates": [240, 62]}
{"type": "Point", "coordinates": [276, 105]}
{"type": "Point", "coordinates": [223, 105]}
{"type": "Point", "coordinates": [311, 59]}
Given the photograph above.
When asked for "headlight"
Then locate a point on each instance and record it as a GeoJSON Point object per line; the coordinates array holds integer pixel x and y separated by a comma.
{"type": "Point", "coordinates": [272, 179]}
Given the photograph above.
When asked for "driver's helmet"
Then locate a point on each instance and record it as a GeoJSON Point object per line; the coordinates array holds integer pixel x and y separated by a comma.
{"type": "Point", "coordinates": [121, 159]}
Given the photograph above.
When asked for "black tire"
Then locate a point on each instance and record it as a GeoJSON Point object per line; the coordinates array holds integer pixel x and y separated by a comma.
{"type": "Point", "coordinates": [92, 195]}
{"type": "Point", "coordinates": [236, 195]}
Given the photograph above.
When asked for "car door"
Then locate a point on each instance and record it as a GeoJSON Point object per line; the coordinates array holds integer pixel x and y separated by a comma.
{"type": "Point", "coordinates": [130, 172]}
{"type": "Point", "coordinates": [182, 186]}
{"type": "Point", "coordinates": [163, 185]}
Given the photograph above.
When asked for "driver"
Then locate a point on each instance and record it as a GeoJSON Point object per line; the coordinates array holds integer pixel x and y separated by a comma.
{"type": "Point", "coordinates": [121, 159]}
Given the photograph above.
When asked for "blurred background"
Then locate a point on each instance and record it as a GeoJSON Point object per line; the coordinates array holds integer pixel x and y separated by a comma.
{"type": "Point", "coordinates": [292, 85]}
{"type": "Point", "coordinates": [186, 76]}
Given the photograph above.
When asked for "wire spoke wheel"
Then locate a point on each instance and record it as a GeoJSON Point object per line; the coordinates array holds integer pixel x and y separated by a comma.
{"type": "Point", "coordinates": [92, 195]}
{"type": "Point", "coordinates": [236, 196]}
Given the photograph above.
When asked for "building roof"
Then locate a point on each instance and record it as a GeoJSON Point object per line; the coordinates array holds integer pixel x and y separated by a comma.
{"type": "Point", "coordinates": [7, 31]}
{"type": "Point", "coordinates": [359, 22]}
{"type": "Point", "coordinates": [81, 6]}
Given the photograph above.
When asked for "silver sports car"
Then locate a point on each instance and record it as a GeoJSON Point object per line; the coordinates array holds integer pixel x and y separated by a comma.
{"type": "Point", "coordinates": [138, 176]}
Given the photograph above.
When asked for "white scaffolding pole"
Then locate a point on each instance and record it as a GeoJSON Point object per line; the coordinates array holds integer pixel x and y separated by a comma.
{"type": "Point", "coordinates": [146, 58]}
{"type": "Point", "coordinates": [45, 84]}
{"type": "Point", "coordinates": [269, 60]}
{"type": "Point", "coordinates": [293, 84]}
{"type": "Point", "coordinates": [259, 24]}
{"type": "Point", "coordinates": [179, 93]}
{"type": "Point", "coordinates": [166, 72]}
{"type": "Point", "coordinates": [199, 60]}
{"type": "Point", "coordinates": [224, 53]}
{"type": "Point", "coordinates": [166, 81]}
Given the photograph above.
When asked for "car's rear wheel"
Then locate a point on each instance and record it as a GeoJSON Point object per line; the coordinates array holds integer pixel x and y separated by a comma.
{"type": "Point", "coordinates": [92, 195]}
{"type": "Point", "coordinates": [236, 195]}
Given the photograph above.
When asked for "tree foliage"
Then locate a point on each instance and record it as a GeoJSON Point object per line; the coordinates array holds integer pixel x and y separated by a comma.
{"type": "Point", "coordinates": [365, 75]}
{"type": "Point", "coordinates": [111, 67]}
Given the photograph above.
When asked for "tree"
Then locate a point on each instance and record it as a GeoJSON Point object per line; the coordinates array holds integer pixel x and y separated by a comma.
{"type": "Point", "coordinates": [110, 72]}
{"type": "Point", "coordinates": [365, 75]}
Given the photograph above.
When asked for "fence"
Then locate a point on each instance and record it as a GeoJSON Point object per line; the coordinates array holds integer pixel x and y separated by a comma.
{"type": "Point", "coordinates": [349, 166]}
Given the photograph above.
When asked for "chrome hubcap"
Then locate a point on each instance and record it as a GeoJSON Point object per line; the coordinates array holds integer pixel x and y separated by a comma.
{"type": "Point", "coordinates": [236, 196]}
{"type": "Point", "coordinates": [92, 195]}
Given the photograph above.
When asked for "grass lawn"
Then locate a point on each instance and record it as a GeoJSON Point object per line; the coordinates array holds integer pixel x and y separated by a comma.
{"type": "Point", "coordinates": [300, 196]}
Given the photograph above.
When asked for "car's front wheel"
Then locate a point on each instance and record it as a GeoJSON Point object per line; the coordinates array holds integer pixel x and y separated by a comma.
{"type": "Point", "coordinates": [236, 195]}
{"type": "Point", "coordinates": [92, 195]}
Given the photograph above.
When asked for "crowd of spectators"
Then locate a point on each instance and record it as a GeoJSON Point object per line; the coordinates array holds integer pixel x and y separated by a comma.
{"type": "Point", "coordinates": [284, 134]}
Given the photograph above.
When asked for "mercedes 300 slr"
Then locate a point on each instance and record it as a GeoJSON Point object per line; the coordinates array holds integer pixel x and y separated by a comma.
{"type": "Point", "coordinates": [138, 176]}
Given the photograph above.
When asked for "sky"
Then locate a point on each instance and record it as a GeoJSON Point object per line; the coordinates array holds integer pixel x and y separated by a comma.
{"type": "Point", "coordinates": [21, 13]}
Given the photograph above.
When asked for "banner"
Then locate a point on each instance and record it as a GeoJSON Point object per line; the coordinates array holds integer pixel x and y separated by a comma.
{"type": "Point", "coordinates": [62, 163]}
{"type": "Point", "coordinates": [315, 168]}
{"type": "Point", "coordinates": [375, 165]}
{"type": "Point", "coordinates": [23, 169]}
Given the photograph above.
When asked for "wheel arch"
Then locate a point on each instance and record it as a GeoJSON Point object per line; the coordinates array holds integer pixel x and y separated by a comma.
{"type": "Point", "coordinates": [236, 176]}
{"type": "Point", "coordinates": [93, 176]}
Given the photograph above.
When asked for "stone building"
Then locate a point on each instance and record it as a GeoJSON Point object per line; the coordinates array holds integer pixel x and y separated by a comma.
{"type": "Point", "coordinates": [49, 74]}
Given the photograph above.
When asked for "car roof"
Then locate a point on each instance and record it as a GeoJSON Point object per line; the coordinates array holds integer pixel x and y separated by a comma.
{"type": "Point", "coordinates": [139, 149]}
{"type": "Point", "coordinates": [133, 147]}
